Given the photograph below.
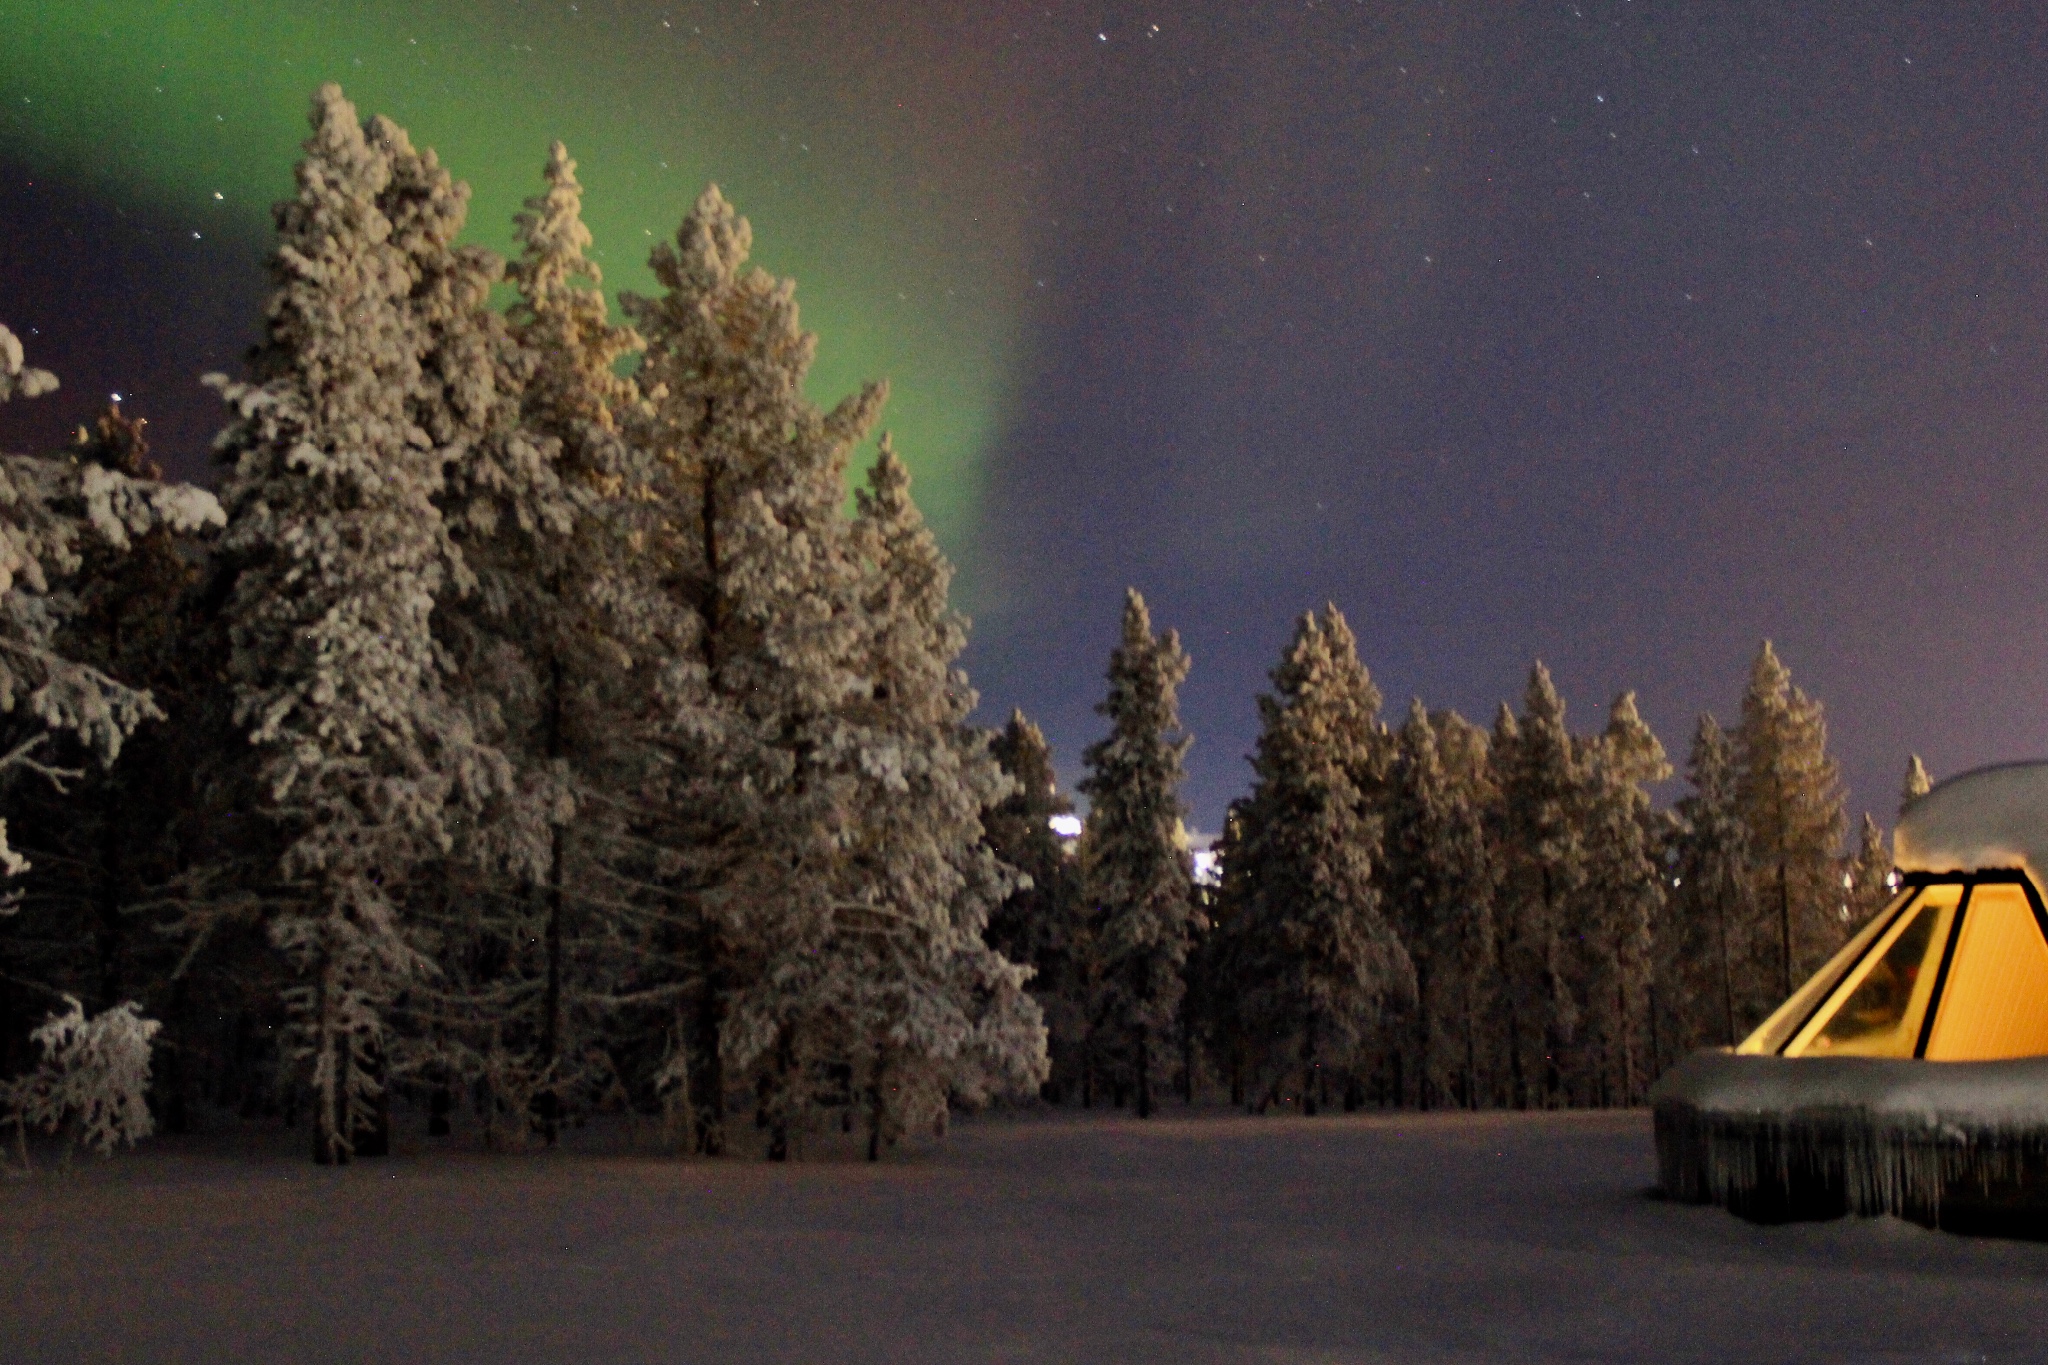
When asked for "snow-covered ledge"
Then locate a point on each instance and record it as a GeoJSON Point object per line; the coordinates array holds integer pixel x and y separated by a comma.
{"type": "Point", "coordinates": [1776, 1138]}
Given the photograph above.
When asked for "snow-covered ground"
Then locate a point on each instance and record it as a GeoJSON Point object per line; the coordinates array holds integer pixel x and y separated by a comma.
{"type": "Point", "coordinates": [1067, 1238]}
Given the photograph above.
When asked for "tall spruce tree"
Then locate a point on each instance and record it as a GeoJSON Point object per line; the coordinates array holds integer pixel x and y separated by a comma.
{"type": "Point", "coordinates": [1707, 949]}
{"type": "Point", "coordinates": [545, 509]}
{"type": "Point", "coordinates": [1916, 784]}
{"type": "Point", "coordinates": [1039, 925]}
{"type": "Point", "coordinates": [918, 1008]}
{"type": "Point", "coordinates": [1624, 899]}
{"type": "Point", "coordinates": [1540, 838]}
{"type": "Point", "coordinates": [1135, 869]}
{"type": "Point", "coordinates": [1867, 880]}
{"type": "Point", "coordinates": [751, 802]}
{"type": "Point", "coordinates": [1464, 753]}
{"type": "Point", "coordinates": [339, 555]}
{"type": "Point", "coordinates": [1436, 876]}
{"type": "Point", "coordinates": [65, 524]}
{"type": "Point", "coordinates": [1319, 961]}
{"type": "Point", "coordinates": [109, 839]}
{"type": "Point", "coordinates": [1789, 794]}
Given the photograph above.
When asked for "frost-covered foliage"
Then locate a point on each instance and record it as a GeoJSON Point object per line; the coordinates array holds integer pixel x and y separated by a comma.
{"type": "Point", "coordinates": [92, 1081]}
{"type": "Point", "coordinates": [52, 512]}
{"type": "Point", "coordinates": [1774, 1138]}
{"type": "Point", "coordinates": [17, 379]}
{"type": "Point", "coordinates": [753, 800]}
{"type": "Point", "coordinates": [1041, 924]}
{"type": "Point", "coordinates": [1624, 898]}
{"type": "Point", "coordinates": [1543, 780]}
{"type": "Point", "coordinates": [1135, 869]}
{"type": "Point", "coordinates": [1316, 960]}
{"type": "Point", "coordinates": [1437, 876]}
{"type": "Point", "coordinates": [1915, 784]}
{"type": "Point", "coordinates": [1789, 793]}
{"type": "Point", "coordinates": [370, 381]}
{"type": "Point", "coordinates": [1708, 953]}
{"type": "Point", "coordinates": [912, 999]}
{"type": "Point", "coordinates": [546, 508]}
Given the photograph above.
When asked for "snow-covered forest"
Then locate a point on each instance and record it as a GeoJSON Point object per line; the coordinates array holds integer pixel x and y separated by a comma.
{"type": "Point", "coordinates": [526, 729]}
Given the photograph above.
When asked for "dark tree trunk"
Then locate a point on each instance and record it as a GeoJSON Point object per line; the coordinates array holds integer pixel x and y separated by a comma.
{"type": "Point", "coordinates": [1308, 1066]}
{"type": "Point", "coordinates": [707, 1066]}
{"type": "Point", "coordinates": [440, 1105]}
{"type": "Point", "coordinates": [372, 1136]}
{"type": "Point", "coordinates": [1518, 1090]}
{"type": "Point", "coordinates": [1425, 1038]}
{"type": "Point", "coordinates": [109, 927]}
{"type": "Point", "coordinates": [1727, 972]}
{"type": "Point", "coordinates": [1471, 1051]}
{"type": "Point", "coordinates": [778, 1118]}
{"type": "Point", "coordinates": [1144, 1074]}
{"type": "Point", "coordinates": [549, 1101]}
{"type": "Point", "coordinates": [1785, 926]}
{"type": "Point", "coordinates": [1656, 1036]}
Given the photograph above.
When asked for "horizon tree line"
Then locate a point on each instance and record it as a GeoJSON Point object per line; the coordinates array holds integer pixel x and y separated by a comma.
{"type": "Point", "coordinates": [1435, 915]}
{"type": "Point", "coordinates": [527, 728]}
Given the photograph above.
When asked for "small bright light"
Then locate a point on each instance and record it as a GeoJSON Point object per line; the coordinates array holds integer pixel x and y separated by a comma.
{"type": "Point", "coordinates": [1066, 826]}
{"type": "Point", "coordinates": [115, 396]}
{"type": "Point", "coordinates": [1208, 869]}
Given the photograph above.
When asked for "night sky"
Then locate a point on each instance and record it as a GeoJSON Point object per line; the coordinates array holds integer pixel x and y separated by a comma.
{"type": "Point", "coordinates": [1618, 334]}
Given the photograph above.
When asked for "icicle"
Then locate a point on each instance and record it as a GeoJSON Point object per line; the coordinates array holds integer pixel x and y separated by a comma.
{"type": "Point", "coordinates": [1939, 1143]}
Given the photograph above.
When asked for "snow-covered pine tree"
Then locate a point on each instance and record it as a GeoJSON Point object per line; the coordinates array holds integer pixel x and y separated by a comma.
{"type": "Point", "coordinates": [18, 379]}
{"type": "Point", "coordinates": [52, 512]}
{"type": "Point", "coordinates": [1319, 960]}
{"type": "Point", "coordinates": [1705, 941]}
{"type": "Point", "coordinates": [1789, 794]}
{"type": "Point", "coordinates": [1624, 900]}
{"type": "Point", "coordinates": [755, 796]}
{"type": "Point", "coordinates": [110, 837]}
{"type": "Point", "coordinates": [1136, 874]}
{"type": "Point", "coordinates": [1540, 842]}
{"type": "Point", "coordinates": [57, 518]}
{"type": "Point", "coordinates": [1040, 925]}
{"type": "Point", "coordinates": [1463, 753]}
{"type": "Point", "coordinates": [1916, 784]}
{"type": "Point", "coordinates": [913, 1002]}
{"type": "Point", "coordinates": [1867, 881]}
{"type": "Point", "coordinates": [1436, 879]}
{"type": "Point", "coordinates": [546, 509]}
{"type": "Point", "coordinates": [92, 1083]}
{"type": "Point", "coordinates": [339, 554]}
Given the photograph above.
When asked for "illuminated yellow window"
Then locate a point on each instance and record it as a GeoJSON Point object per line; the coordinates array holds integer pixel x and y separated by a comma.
{"type": "Point", "coordinates": [1786, 1020]}
{"type": "Point", "coordinates": [1995, 1002]}
{"type": "Point", "coordinates": [1878, 1008]}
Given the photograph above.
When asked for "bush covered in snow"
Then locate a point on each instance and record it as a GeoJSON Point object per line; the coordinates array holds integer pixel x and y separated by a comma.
{"type": "Point", "coordinates": [93, 1081]}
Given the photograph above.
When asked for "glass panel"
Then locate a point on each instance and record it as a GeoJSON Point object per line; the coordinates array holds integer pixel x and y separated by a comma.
{"type": "Point", "coordinates": [1772, 1034]}
{"type": "Point", "coordinates": [1996, 1001]}
{"type": "Point", "coordinates": [1876, 1012]}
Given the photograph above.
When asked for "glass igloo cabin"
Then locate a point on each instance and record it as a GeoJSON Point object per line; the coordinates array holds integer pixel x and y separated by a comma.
{"type": "Point", "coordinates": [1956, 967]}
{"type": "Point", "coordinates": [1909, 1075]}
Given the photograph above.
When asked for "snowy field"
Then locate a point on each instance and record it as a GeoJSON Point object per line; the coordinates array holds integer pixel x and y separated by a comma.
{"type": "Point", "coordinates": [1068, 1238]}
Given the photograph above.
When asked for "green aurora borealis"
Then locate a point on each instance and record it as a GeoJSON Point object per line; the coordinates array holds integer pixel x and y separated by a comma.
{"type": "Point", "coordinates": [194, 112]}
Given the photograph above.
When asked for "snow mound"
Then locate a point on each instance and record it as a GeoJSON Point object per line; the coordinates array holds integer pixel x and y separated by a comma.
{"type": "Point", "coordinates": [1989, 817]}
{"type": "Point", "coordinates": [1776, 1138]}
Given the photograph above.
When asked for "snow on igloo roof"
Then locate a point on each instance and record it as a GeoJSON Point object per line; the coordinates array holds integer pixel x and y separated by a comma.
{"type": "Point", "coordinates": [1988, 817]}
